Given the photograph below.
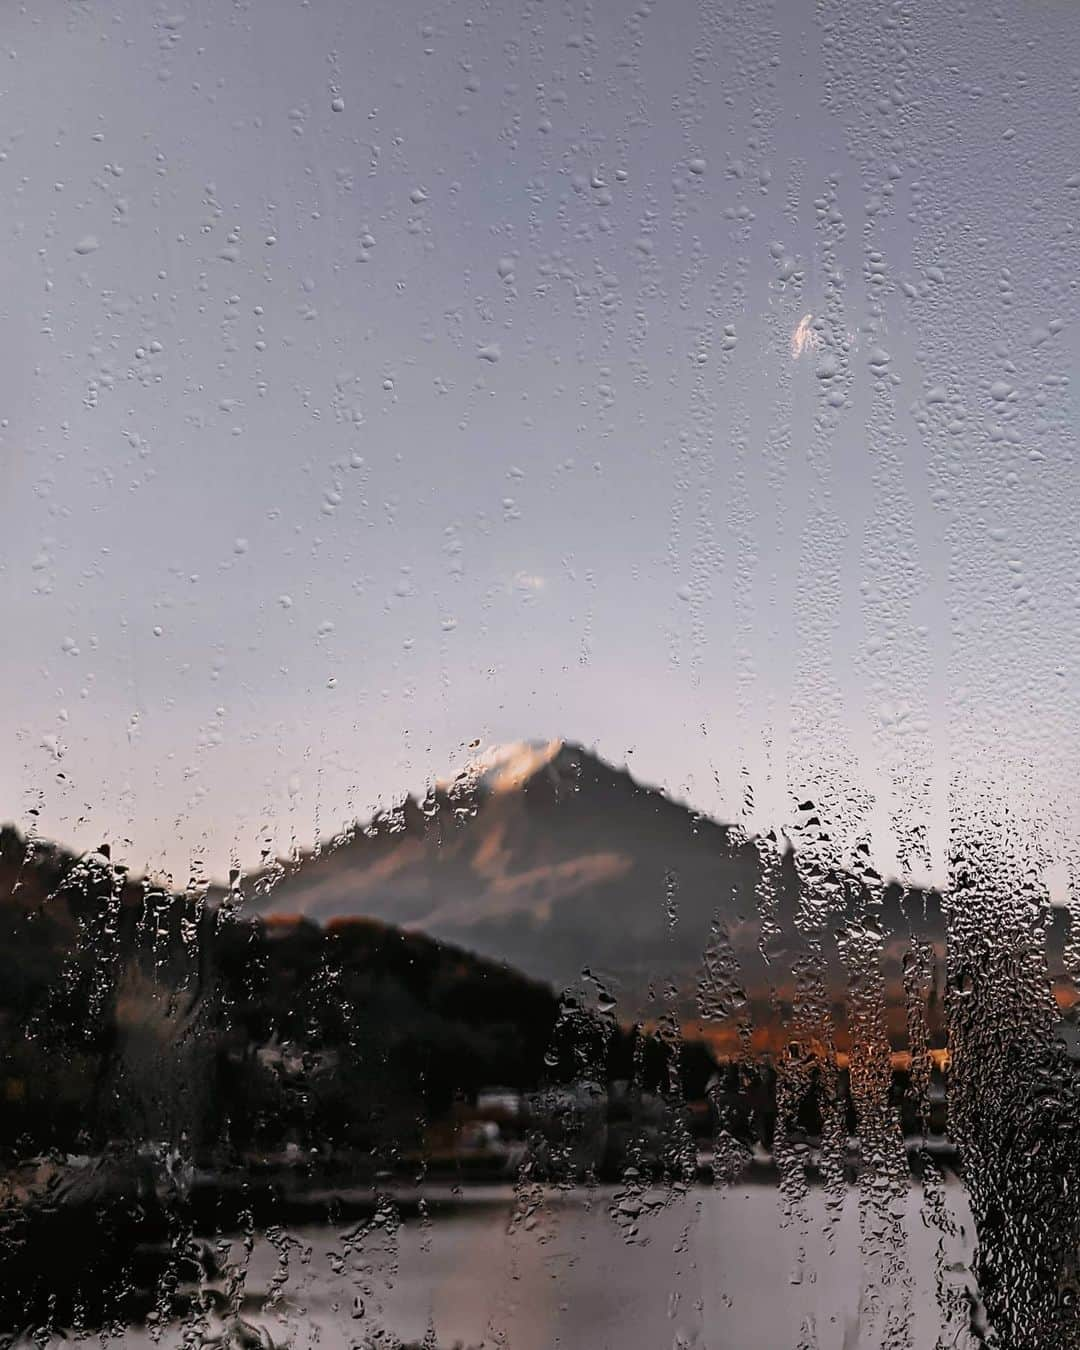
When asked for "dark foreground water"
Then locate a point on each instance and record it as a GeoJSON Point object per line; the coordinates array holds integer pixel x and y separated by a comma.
{"type": "Point", "coordinates": [714, 1268]}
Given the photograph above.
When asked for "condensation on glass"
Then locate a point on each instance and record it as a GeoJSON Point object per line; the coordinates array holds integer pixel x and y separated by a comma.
{"type": "Point", "coordinates": [540, 756]}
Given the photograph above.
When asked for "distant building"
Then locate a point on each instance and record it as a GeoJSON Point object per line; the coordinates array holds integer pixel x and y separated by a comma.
{"type": "Point", "coordinates": [293, 1061]}
{"type": "Point", "coordinates": [498, 1102]}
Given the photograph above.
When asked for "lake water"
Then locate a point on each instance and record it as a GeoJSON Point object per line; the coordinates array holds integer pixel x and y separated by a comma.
{"type": "Point", "coordinates": [715, 1268]}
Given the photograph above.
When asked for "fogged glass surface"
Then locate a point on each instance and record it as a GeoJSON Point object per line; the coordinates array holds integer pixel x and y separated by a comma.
{"type": "Point", "coordinates": [540, 576]}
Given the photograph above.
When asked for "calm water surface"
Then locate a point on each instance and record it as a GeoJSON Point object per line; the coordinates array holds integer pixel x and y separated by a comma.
{"type": "Point", "coordinates": [715, 1268]}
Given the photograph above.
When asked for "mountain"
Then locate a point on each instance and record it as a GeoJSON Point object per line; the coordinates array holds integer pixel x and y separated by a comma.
{"type": "Point", "coordinates": [545, 857]}
{"type": "Point", "coordinates": [540, 856]}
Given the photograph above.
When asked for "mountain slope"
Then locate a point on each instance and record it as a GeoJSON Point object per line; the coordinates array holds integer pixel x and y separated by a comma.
{"type": "Point", "coordinates": [547, 858]}
{"type": "Point", "coordinates": [568, 864]}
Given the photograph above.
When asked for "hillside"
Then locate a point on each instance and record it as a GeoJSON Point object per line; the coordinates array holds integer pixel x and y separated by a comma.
{"type": "Point", "coordinates": [128, 1012]}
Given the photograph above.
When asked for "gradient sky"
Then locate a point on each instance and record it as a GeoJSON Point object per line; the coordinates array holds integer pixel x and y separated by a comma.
{"type": "Point", "coordinates": [381, 378]}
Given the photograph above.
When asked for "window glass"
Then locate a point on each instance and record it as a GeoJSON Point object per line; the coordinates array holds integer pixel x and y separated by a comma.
{"type": "Point", "coordinates": [539, 555]}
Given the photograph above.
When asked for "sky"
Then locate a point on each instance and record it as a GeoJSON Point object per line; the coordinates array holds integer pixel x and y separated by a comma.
{"type": "Point", "coordinates": [691, 381]}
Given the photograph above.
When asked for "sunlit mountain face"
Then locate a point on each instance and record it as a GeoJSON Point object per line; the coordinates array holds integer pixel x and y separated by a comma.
{"type": "Point", "coordinates": [504, 768]}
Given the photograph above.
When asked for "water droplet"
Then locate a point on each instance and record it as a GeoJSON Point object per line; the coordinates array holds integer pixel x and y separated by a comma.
{"type": "Point", "coordinates": [87, 244]}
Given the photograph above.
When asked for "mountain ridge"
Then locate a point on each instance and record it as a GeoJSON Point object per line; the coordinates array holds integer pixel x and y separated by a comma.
{"type": "Point", "coordinates": [546, 857]}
